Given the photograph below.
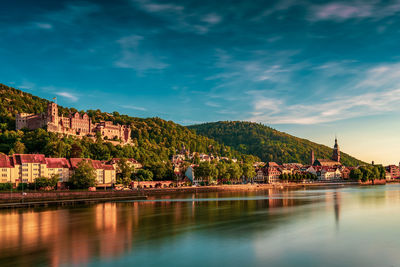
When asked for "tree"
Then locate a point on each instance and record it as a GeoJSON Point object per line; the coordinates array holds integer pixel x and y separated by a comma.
{"type": "Point", "coordinates": [76, 151]}
{"type": "Point", "coordinates": [144, 175]}
{"type": "Point", "coordinates": [84, 176]}
{"type": "Point", "coordinates": [19, 148]}
{"type": "Point", "coordinates": [206, 171]}
{"type": "Point", "coordinates": [44, 182]}
{"type": "Point", "coordinates": [356, 174]}
{"type": "Point", "coordinates": [248, 171]}
{"type": "Point", "coordinates": [125, 169]}
{"type": "Point", "coordinates": [235, 171]}
{"type": "Point", "coordinates": [222, 171]}
{"type": "Point", "coordinates": [161, 170]}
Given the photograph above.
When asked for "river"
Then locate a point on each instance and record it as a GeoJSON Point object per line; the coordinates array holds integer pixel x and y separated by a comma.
{"type": "Point", "coordinates": [341, 226]}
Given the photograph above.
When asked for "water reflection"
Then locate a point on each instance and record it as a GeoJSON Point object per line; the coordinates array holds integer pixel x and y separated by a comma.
{"type": "Point", "coordinates": [113, 231]}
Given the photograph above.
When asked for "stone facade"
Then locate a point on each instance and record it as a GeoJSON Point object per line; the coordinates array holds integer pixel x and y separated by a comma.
{"type": "Point", "coordinates": [74, 124]}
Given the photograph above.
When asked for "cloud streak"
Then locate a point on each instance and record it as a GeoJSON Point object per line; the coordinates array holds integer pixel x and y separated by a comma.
{"type": "Point", "coordinates": [377, 92]}
{"type": "Point", "coordinates": [134, 57]}
{"type": "Point", "coordinates": [179, 17]}
{"type": "Point", "coordinates": [70, 96]}
{"type": "Point", "coordinates": [345, 10]}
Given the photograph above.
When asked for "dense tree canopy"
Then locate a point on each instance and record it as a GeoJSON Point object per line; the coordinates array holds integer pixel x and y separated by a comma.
{"type": "Point", "coordinates": [266, 143]}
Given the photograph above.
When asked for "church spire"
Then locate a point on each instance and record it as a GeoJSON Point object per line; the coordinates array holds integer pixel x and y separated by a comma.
{"type": "Point", "coordinates": [336, 151]}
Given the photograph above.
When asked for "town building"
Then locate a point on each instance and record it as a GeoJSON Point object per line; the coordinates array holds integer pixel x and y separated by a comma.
{"type": "Point", "coordinates": [60, 167]}
{"type": "Point", "coordinates": [273, 172]}
{"type": "Point", "coordinates": [25, 168]}
{"type": "Point", "coordinates": [333, 162]}
{"type": "Point", "coordinates": [74, 124]}
{"type": "Point", "coordinates": [393, 171]}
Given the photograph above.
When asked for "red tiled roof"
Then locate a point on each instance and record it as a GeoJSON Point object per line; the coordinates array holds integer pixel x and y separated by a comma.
{"type": "Point", "coordinates": [108, 167]}
{"type": "Point", "coordinates": [97, 164]}
{"type": "Point", "coordinates": [272, 164]}
{"type": "Point", "coordinates": [75, 161]}
{"type": "Point", "coordinates": [5, 161]}
{"type": "Point", "coordinates": [30, 158]}
{"type": "Point", "coordinates": [57, 163]}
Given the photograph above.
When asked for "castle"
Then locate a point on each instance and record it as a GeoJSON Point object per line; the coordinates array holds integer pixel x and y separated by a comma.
{"type": "Point", "coordinates": [74, 124]}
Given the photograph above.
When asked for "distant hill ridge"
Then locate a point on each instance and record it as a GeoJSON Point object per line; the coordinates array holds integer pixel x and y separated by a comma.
{"type": "Point", "coordinates": [267, 143]}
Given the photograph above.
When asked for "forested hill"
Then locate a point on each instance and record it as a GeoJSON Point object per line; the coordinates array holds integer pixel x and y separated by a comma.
{"type": "Point", "coordinates": [267, 143]}
{"type": "Point", "coordinates": [155, 139]}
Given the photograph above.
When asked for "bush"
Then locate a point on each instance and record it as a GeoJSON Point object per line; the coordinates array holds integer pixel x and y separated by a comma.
{"type": "Point", "coordinates": [22, 186]}
{"type": "Point", "coordinates": [6, 186]}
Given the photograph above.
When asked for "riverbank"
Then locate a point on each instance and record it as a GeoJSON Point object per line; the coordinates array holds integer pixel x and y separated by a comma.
{"type": "Point", "coordinates": [61, 198]}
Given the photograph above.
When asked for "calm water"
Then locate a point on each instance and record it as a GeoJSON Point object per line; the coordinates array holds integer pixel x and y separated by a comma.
{"type": "Point", "coordinates": [347, 226]}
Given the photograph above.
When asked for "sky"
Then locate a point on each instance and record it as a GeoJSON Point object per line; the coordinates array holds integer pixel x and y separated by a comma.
{"type": "Point", "coordinates": [314, 69]}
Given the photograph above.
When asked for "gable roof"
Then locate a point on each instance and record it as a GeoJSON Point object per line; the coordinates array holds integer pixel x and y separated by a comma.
{"type": "Point", "coordinates": [57, 163]}
{"type": "Point", "coordinates": [96, 164]}
{"type": "Point", "coordinates": [5, 161]}
{"type": "Point", "coordinates": [29, 158]}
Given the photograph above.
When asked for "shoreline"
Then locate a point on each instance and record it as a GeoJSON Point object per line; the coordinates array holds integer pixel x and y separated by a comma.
{"type": "Point", "coordinates": [63, 198]}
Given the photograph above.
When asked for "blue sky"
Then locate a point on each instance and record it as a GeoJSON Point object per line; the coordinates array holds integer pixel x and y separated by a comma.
{"type": "Point", "coordinates": [311, 68]}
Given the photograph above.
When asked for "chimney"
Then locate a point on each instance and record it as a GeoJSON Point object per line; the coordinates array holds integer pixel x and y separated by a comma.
{"type": "Point", "coordinates": [373, 163]}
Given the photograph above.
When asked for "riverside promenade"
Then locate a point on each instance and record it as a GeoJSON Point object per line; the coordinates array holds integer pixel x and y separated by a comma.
{"type": "Point", "coordinates": [63, 198]}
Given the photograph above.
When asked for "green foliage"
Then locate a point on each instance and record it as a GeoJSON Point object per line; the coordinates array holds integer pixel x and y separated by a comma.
{"type": "Point", "coordinates": [234, 170]}
{"type": "Point", "coordinates": [266, 143]}
{"type": "Point", "coordinates": [144, 175]}
{"type": "Point", "coordinates": [161, 170]}
{"type": "Point", "coordinates": [6, 186]}
{"type": "Point", "coordinates": [366, 173]}
{"type": "Point", "coordinates": [248, 171]}
{"type": "Point", "coordinates": [43, 182]}
{"type": "Point", "coordinates": [84, 176]}
{"type": "Point", "coordinates": [206, 170]}
{"type": "Point", "coordinates": [124, 168]}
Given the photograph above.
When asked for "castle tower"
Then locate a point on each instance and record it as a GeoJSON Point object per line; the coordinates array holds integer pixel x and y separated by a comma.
{"type": "Point", "coordinates": [336, 152]}
{"type": "Point", "coordinates": [52, 113]}
{"type": "Point", "coordinates": [312, 158]}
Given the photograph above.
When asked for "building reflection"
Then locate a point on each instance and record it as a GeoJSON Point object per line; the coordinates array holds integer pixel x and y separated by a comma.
{"type": "Point", "coordinates": [76, 236]}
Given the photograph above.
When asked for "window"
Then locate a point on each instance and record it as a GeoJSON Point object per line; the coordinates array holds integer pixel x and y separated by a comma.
{"type": "Point", "coordinates": [4, 175]}
{"type": "Point", "coordinates": [25, 164]}
{"type": "Point", "coordinates": [4, 170]}
{"type": "Point", "coordinates": [59, 170]}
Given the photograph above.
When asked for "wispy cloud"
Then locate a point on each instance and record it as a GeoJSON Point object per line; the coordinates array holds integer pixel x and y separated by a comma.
{"type": "Point", "coordinates": [179, 17]}
{"type": "Point", "coordinates": [70, 96]}
{"type": "Point", "coordinates": [212, 104]}
{"type": "Point", "coordinates": [43, 26]}
{"type": "Point", "coordinates": [375, 92]}
{"type": "Point", "coordinates": [344, 10]}
{"type": "Point", "coordinates": [345, 107]}
{"type": "Point", "coordinates": [133, 57]}
{"type": "Point", "coordinates": [26, 85]}
{"type": "Point", "coordinates": [134, 107]}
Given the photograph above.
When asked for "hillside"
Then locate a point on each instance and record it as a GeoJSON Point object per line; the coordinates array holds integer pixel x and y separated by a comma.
{"type": "Point", "coordinates": [155, 139]}
{"type": "Point", "coordinates": [267, 143]}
